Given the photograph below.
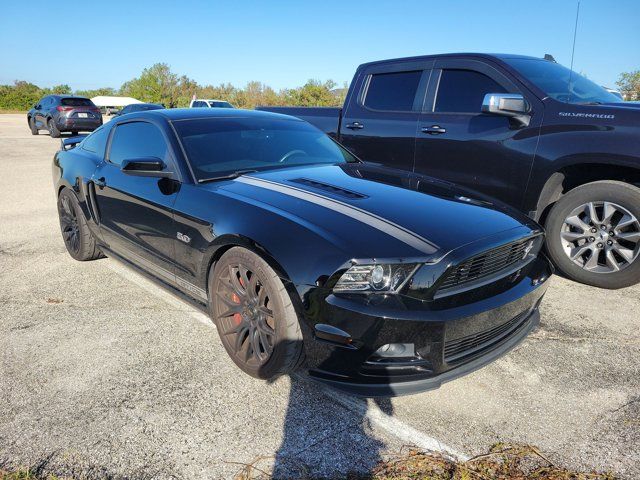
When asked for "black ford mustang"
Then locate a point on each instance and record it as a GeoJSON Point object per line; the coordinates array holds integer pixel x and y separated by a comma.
{"type": "Point", "coordinates": [379, 282]}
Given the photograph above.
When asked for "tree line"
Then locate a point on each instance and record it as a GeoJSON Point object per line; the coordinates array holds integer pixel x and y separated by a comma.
{"type": "Point", "coordinates": [158, 84]}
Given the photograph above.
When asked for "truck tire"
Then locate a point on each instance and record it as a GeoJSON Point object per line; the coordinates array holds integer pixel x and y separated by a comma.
{"type": "Point", "coordinates": [593, 234]}
{"type": "Point", "coordinates": [254, 315]}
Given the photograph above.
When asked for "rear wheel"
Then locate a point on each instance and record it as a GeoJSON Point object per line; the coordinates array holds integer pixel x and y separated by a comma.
{"type": "Point", "coordinates": [53, 130]}
{"type": "Point", "coordinates": [32, 126]}
{"type": "Point", "coordinates": [252, 310]}
{"type": "Point", "coordinates": [77, 237]}
{"type": "Point", "coordinates": [593, 234]}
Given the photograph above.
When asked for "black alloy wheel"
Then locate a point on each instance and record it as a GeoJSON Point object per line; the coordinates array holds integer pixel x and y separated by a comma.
{"type": "Point", "coordinates": [77, 237]}
{"type": "Point", "coordinates": [256, 320]}
{"type": "Point", "coordinates": [69, 224]}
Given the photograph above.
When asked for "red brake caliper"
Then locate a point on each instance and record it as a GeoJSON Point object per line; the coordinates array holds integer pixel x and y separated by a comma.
{"type": "Point", "coordinates": [237, 318]}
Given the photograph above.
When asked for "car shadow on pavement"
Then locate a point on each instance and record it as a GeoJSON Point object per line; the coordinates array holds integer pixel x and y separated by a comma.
{"type": "Point", "coordinates": [326, 433]}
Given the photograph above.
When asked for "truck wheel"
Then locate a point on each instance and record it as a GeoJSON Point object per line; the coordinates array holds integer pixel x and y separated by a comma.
{"type": "Point", "coordinates": [77, 237]}
{"type": "Point", "coordinates": [53, 130]}
{"type": "Point", "coordinates": [252, 310]}
{"type": "Point", "coordinates": [593, 234]}
{"type": "Point", "coordinates": [32, 126]}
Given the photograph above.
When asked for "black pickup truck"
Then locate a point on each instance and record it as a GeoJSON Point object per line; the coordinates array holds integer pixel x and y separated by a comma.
{"type": "Point", "coordinates": [526, 131]}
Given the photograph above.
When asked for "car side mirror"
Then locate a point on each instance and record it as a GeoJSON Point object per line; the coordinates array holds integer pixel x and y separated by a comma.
{"type": "Point", "coordinates": [512, 105]}
{"type": "Point", "coordinates": [145, 167]}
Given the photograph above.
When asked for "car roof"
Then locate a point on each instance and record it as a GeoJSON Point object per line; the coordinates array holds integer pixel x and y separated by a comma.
{"type": "Point", "coordinates": [209, 100]}
{"type": "Point", "coordinates": [175, 114]}
{"type": "Point", "coordinates": [487, 56]}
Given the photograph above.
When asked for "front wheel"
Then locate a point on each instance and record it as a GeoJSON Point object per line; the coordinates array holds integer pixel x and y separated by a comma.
{"type": "Point", "coordinates": [32, 126]}
{"type": "Point", "coordinates": [252, 310]}
{"type": "Point", "coordinates": [77, 237]}
{"type": "Point", "coordinates": [593, 234]}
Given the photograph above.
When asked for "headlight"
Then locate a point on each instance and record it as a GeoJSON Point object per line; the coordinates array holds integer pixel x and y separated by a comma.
{"type": "Point", "coordinates": [374, 278]}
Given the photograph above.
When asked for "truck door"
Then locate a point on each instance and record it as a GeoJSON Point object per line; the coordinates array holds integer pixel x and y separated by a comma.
{"type": "Point", "coordinates": [457, 142]}
{"type": "Point", "coordinates": [382, 111]}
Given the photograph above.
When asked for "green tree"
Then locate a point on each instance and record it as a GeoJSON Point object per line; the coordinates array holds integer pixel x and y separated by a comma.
{"type": "Point", "coordinates": [313, 94]}
{"type": "Point", "coordinates": [19, 96]}
{"type": "Point", "coordinates": [629, 85]}
{"type": "Point", "coordinates": [157, 84]}
{"type": "Point", "coordinates": [60, 89]}
{"type": "Point", "coordinates": [107, 91]}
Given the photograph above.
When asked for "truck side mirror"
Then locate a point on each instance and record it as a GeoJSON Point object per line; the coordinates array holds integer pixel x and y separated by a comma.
{"type": "Point", "coordinates": [512, 105]}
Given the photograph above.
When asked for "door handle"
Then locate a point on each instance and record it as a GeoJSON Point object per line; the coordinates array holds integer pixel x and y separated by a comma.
{"type": "Point", "coordinates": [354, 126]}
{"type": "Point", "coordinates": [434, 130]}
{"type": "Point", "coordinates": [100, 182]}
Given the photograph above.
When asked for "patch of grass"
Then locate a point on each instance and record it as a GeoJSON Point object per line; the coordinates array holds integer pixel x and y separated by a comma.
{"type": "Point", "coordinates": [12, 111]}
{"type": "Point", "coordinates": [25, 474]}
{"type": "Point", "coordinates": [502, 462]}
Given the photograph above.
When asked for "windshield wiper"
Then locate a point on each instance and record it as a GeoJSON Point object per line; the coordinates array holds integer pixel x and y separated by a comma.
{"type": "Point", "coordinates": [236, 174]}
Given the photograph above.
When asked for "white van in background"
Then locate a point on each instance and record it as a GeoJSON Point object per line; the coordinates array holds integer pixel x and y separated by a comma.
{"type": "Point", "coordinates": [209, 103]}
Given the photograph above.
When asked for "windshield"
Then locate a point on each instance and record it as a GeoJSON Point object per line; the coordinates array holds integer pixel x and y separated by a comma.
{"type": "Point", "coordinates": [217, 104]}
{"type": "Point", "coordinates": [220, 146]}
{"type": "Point", "coordinates": [560, 83]}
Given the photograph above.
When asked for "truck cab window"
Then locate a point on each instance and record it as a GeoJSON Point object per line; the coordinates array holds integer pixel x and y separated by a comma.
{"type": "Point", "coordinates": [392, 91]}
{"type": "Point", "coordinates": [462, 91]}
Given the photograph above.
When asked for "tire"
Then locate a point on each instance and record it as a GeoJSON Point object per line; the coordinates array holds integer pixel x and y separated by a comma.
{"type": "Point", "coordinates": [243, 289]}
{"type": "Point", "coordinates": [53, 130]}
{"type": "Point", "coordinates": [77, 237]}
{"type": "Point", "coordinates": [32, 126]}
{"type": "Point", "coordinates": [574, 230]}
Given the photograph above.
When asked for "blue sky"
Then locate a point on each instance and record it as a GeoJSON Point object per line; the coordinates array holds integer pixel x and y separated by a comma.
{"type": "Point", "coordinates": [284, 43]}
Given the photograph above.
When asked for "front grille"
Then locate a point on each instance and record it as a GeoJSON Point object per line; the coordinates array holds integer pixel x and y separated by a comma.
{"type": "Point", "coordinates": [455, 350]}
{"type": "Point", "coordinates": [488, 264]}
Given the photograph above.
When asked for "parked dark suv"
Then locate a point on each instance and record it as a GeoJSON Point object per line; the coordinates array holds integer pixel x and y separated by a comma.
{"type": "Point", "coordinates": [64, 113]}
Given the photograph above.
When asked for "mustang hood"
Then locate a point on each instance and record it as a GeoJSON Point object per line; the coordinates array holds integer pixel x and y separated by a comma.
{"type": "Point", "coordinates": [373, 209]}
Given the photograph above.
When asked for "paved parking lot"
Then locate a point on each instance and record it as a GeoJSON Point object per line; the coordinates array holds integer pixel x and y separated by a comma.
{"type": "Point", "coordinates": [104, 375]}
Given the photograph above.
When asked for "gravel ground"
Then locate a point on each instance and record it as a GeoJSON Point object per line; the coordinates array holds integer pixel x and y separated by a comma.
{"type": "Point", "coordinates": [104, 375]}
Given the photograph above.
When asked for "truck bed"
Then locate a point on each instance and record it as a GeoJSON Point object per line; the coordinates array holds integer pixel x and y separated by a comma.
{"type": "Point", "coordinates": [326, 119]}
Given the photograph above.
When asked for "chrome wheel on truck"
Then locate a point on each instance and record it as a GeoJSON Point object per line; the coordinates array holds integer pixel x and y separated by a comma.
{"type": "Point", "coordinates": [593, 234]}
{"type": "Point", "coordinates": [601, 237]}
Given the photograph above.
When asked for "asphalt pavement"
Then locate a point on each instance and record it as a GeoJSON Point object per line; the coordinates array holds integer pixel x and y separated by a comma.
{"type": "Point", "coordinates": [104, 375]}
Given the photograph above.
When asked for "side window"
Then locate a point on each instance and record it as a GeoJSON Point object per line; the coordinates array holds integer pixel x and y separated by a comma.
{"type": "Point", "coordinates": [392, 91]}
{"type": "Point", "coordinates": [135, 140]}
{"type": "Point", "coordinates": [96, 142]}
{"type": "Point", "coordinates": [462, 91]}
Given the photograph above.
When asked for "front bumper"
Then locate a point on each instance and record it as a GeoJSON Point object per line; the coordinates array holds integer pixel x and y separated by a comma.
{"type": "Point", "coordinates": [451, 336]}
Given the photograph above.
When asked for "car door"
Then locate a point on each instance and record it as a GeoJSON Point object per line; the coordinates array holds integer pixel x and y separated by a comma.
{"type": "Point", "coordinates": [381, 114]}
{"type": "Point", "coordinates": [39, 113]}
{"type": "Point", "coordinates": [136, 219]}
{"type": "Point", "coordinates": [459, 143]}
